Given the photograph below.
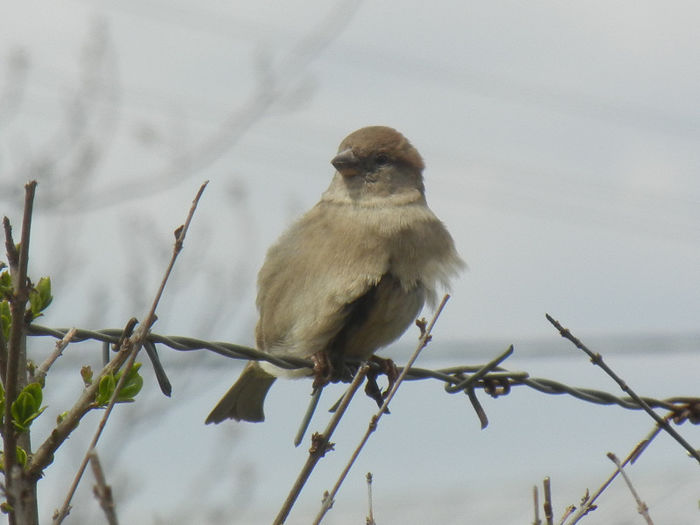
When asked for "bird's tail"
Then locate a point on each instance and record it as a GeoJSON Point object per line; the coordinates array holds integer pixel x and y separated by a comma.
{"type": "Point", "coordinates": [244, 400]}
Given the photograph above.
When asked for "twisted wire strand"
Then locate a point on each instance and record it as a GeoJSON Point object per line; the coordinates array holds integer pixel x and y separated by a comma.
{"type": "Point", "coordinates": [498, 381]}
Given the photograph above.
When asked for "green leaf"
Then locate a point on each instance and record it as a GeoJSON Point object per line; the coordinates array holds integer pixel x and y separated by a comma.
{"type": "Point", "coordinates": [34, 389]}
{"type": "Point", "coordinates": [40, 297]}
{"type": "Point", "coordinates": [27, 407]}
{"type": "Point", "coordinates": [21, 456]}
{"type": "Point", "coordinates": [105, 390]}
{"type": "Point", "coordinates": [132, 384]}
{"type": "Point", "coordinates": [5, 319]}
{"type": "Point", "coordinates": [131, 387]}
{"type": "Point", "coordinates": [5, 282]}
{"type": "Point", "coordinates": [2, 403]}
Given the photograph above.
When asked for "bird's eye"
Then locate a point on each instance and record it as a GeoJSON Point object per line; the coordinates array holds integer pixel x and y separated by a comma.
{"type": "Point", "coordinates": [381, 159]}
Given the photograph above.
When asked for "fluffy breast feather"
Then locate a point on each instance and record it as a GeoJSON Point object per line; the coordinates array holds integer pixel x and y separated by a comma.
{"type": "Point", "coordinates": [313, 262]}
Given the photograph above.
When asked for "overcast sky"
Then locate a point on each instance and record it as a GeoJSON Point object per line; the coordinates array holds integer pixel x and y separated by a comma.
{"type": "Point", "coordinates": [560, 141]}
{"type": "Point", "coordinates": [561, 144]}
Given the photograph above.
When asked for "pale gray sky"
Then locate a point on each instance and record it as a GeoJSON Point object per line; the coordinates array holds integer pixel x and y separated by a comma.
{"type": "Point", "coordinates": [560, 141]}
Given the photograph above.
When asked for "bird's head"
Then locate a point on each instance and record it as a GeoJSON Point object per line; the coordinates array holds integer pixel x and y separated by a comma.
{"type": "Point", "coordinates": [376, 165]}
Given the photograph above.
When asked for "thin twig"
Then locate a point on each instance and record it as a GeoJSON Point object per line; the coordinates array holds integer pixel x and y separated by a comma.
{"type": "Point", "coordinates": [597, 359]}
{"type": "Point", "coordinates": [61, 345]}
{"type": "Point", "coordinates": [44, 455]}
{"type": "Point", "coordinates": [102, 491]}
{"type": "Point", "coordinates": [548, 508]}
{"type": "Point", "coordinates": [641, 506]}
{"type": "Point", "coordinates": [131, 347]}
{"type": "Point", "coordinates": [567, 512]}
{"type": "Point", "coordinates": [536, 502]}
{"type": "Point", "coordinates": [370, 514]}
{"type": "Point", "coordinates": [588, 503]}
{"type": "Point", "coordinates": [313, 403]}
{"type": "Point", "coordinates": [422, 343]}
{"type": "Point", "coordinates": [320, 444]}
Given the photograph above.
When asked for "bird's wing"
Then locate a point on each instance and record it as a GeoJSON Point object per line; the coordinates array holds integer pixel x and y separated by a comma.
{"type": "Point", "coordinates": [311, 283]}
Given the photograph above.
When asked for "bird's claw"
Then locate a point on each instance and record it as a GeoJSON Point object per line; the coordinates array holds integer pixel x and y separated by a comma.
{"type": "Point", "coordinates": [323, 370]}
{"type": "Point", "coordinates": [386, 367]}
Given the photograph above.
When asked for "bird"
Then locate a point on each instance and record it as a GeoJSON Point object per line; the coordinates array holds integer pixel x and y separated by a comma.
{"type": "Point", "coordinates": [352, 274]}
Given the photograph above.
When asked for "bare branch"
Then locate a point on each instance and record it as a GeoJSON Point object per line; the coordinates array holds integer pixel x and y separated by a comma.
{"type": "Point", "coordinates": [426, 335]}
{"type": "Point", "coordinates": [304, 425]}
{"type": "Point", "coordinates": [61, 345]}
{"type": "Point", "coordinates": [597, 359]}
{"type": "Point", "coordinates": [548, 508]}
{"type": "Point", "coordinates": [130, 348]}
{"type": "Point", "coordinates": [588, 503]}
{"type": "Point", "coordinates": [567, 512]}
{"type": "Point", "coordinates": [370, 515]}
{"type": "Point", "coordinates": [102, 491]}
{"type": "Point", "coordinates": [641, 506]}
{"type": "Point", "coordinates": [21, 492]}
{"type": "Point", "coordinates": [320, 444]}
{"type": "Point", "coordinates": [536, 503]}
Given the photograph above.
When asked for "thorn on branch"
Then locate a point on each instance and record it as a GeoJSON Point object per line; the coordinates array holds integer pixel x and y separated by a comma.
{"type": "Point", "coordinates": [422, 324]}
{"type": "Point", "coordinates": [319, 445]}
{"type": "Point", "coordinates": [641, 446]}
{"type": "Point", "coordinates": [178, 231]}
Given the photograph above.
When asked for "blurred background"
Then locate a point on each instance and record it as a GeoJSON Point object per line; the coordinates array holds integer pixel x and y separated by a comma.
{"type": "Point", "coordinates": [561, 144]}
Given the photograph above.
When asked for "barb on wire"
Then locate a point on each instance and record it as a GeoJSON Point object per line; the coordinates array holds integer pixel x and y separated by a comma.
{"type": "Point", "coordinates": [496, 383]}
{"type": "Point", "coordinates": [467, 385]}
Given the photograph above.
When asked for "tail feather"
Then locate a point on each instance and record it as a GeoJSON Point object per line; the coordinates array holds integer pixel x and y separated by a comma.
{"type": "Point", "coordinates": [244, 400]}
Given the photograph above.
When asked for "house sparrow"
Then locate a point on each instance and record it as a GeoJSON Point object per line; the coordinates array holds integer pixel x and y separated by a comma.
{"type": "Point", "coordinates": [352, 274]}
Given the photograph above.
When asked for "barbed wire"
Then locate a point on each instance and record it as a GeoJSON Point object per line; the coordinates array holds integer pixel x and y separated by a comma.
{"type": "Point", "coordinates": [495, 380]}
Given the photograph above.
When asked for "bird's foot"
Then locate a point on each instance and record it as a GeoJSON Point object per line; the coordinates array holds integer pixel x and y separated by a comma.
{"type": "Point", "coordinates": [386, 367]}
{"type": "Point", "coordinates": [323, 370]}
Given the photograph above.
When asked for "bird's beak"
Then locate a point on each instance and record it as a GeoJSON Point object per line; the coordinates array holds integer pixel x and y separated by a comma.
{"type": "Point", "coordinates": [346, 163]}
